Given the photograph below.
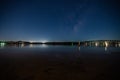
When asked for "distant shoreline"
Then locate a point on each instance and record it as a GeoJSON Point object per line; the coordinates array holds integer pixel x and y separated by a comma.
{"type": "Point", "coordinates": [79, 43]}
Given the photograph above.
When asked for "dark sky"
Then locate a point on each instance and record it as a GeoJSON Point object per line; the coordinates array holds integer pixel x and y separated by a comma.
{"type": "Point", "coordinates": [59, 20]}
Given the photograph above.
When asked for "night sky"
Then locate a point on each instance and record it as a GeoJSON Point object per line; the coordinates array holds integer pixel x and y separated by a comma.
{"type": "Point", "coordinates": [59, 20]}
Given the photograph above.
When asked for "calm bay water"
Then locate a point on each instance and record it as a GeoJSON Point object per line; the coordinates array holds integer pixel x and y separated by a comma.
{"type": "Point", "coordinates": [48, 62]}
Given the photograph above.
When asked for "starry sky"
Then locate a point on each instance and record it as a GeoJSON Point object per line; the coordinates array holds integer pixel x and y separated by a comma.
{"type": "Point", "coordinates": [59, 20]}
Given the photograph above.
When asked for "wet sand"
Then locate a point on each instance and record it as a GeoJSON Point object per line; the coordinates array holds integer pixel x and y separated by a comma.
{"type": "Point", "coordinates": [59, 66]}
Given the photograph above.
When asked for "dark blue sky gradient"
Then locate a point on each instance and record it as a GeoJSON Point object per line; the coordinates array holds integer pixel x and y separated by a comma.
{"type": "Point", "coordinates": [59, 20]}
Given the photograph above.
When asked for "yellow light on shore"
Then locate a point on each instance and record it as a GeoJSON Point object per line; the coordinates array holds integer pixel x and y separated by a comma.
{"type": "Point", "coordinates": [106, 44]}
{"type": "Point", "coordinates": [96, 44]}
{"type": "Point", "coordinates": [119, 44]}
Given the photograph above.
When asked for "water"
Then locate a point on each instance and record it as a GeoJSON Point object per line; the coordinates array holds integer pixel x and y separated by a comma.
{"type": "Point", "coordinates": [48, 62]}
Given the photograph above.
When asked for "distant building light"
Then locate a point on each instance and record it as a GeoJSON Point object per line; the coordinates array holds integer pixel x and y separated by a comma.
{"type": "Point", "coordinates": [96, 44]}
{"type": "Point", "coordinates": [31, 41]}
{"type": "Point", "coordinates": [2, 44]}
{"type": "Point", "coordinates": [119, 44]}
{"type": "Point", "coordinates": [106, 43]}
{"type": "Point", "coordinates": [44, 41]}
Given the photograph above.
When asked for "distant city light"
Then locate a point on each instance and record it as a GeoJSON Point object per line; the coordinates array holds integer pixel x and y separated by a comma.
{"type": "Point", "coordinates": [96, 44]}
{"type": "Point", "coordinates": [44, 41]}
{"type": "Point", "coordinates": [31, 41]}
{"type": "Point", "coordinates": [2, 44]}
{"type": "Point", "coordinates": [106, 43]}
{"type": "Point", "coordinates": [119, 44]}
{"type": "Point", "coordinates": [79, 48]}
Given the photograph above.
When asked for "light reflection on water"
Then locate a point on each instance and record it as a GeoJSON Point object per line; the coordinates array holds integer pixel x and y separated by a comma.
{"type": "Point", "coordinates": [37, 46]}
{"type": "Point", "coordinates": [55, 59]}
{"type": "Point", "coordinates": [105, 48]}
{"type": "Point", "coordinates": [61, 48]}
{"type": "Point", "coordinates": [79, 48]}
